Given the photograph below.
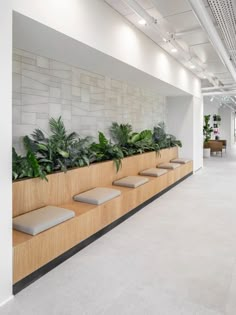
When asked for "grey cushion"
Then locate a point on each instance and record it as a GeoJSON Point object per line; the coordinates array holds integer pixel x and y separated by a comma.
{"type": "Point", "coordinates": [180, 161]}
{"type": "Point", "coordinates": [41, 219]}
{"type": "Point", "coordinates": [169, 166]}
{"type": "Point", "coordinates": [131, 181]}
{"type": "Point", "coordinates": [98, 195]}
{"type": "Point", "coordinates": [155, 172]}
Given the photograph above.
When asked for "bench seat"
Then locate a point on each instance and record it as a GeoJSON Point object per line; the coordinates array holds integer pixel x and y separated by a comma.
{"type": "Point", "coordinates": [97, 196]}
{"type": "Point", "coordinates": [169, 166]}
{"type": "Point", "coordinates": [131, 181]}
{"type": "Point", "coordinates": [42, 219]}
{"type": "Point", "coordinates": [180, 161]}
{"type": "Point", "coordinates": [155, 172]}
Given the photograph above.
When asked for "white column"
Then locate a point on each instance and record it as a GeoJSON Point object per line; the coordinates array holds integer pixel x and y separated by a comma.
{"type": "Point", "coordinates": [227, 126]}
{"type": "Point", "coordinates": [197, 133]}
{"type": "Point", "coordinates": [184, 120]}
{"type": "Point", "coordinates": [6, 145]}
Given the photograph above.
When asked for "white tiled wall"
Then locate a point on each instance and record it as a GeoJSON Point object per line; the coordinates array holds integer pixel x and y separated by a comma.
{"type": "Point", "coordinates": [87, 102]}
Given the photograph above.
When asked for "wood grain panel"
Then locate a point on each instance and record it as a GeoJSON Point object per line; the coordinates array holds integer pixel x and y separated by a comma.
{"type": "Point", "coordinates": [34, 193]}
{"type": "Point", "coordinates": [32, 252]}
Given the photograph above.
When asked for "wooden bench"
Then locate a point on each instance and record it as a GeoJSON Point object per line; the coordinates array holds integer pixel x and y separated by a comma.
{"type": "Point", "coordinates": [33, 252]}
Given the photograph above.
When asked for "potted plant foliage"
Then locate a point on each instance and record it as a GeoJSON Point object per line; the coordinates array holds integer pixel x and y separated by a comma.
{"type": "Point", "coordinates": [207, 131]}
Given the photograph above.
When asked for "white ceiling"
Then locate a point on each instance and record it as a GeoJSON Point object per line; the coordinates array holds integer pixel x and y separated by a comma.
{"type": "Point", "coordinates": [32, 36]}
{"type": "Point", "coordinates": [177, 17]}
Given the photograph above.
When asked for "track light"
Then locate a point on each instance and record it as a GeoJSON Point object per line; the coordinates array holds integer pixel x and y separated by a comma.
{"type": "Point", "coordinates": [142, 22]}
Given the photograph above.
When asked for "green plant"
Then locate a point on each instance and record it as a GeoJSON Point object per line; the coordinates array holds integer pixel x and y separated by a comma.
{"type": "Point", "coordinates": [163, 139]}
{"type": "Point", "coordinates": [217, 118]}
{"type": "Point", "coordinates": [60, 150]}
{"type": "Point", "coordinates": [132, 142]}
{"type": "Point", "coordinates": [120, 133]}
{"type": "Point", "coordinates": [143, 142]}
{"type": "Point", "coordinates": [207, 129]}
{"type": "Point", "coordinates": [26, 166]}
{"type": "Point", "coordinates": [104, 150]}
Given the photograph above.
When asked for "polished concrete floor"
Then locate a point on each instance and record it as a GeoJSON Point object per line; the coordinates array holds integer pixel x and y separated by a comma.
{"type": "Point", "coordinates": [177, 256]}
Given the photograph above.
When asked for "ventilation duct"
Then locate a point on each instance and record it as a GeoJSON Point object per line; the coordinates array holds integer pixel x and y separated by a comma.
{"type": "Point", "coordinates": [223, 11]}
{"type": "Point", "coordinates": [204, 18]}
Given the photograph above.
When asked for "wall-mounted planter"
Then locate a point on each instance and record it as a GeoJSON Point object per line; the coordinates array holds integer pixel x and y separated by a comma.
{"type": "Point", "coordinates": [33, 252]}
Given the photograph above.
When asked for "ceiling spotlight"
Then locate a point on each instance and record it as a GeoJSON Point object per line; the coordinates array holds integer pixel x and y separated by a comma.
{"type": "Point", "coordinates": [164, 39]}
{"type": "Point", "coordinates": [174, 50]}
{"type": "Point", "coordinates": [192, 67]}
{"type": "Point", "coordinates": [211, 100]}
{"type": "Point", "coordinates": [204, 77]}
{"type": "Point", "coordinates": [142, 22]}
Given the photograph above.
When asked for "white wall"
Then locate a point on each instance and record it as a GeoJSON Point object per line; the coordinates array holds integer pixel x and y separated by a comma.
{"type": "Point", "coordinates": [6, 144]}
{"type": "Point", "coordinates": [227, 125]}
{"type": "Point", "coordinates": [96, 24]}
{"type": "Point", "coordinates": [184, 120]}
{"type": "Point", "coordinates": [210, 108]}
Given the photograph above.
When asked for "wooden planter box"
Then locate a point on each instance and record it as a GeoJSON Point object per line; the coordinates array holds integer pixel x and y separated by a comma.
{"type": "Point", "coordinates": [33, 252]}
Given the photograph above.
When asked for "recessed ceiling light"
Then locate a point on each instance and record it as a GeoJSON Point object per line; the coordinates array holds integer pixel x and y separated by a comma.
{"type": "Point", "coordinates": [204, 77]}
{"type": "Point", "coordinates": [142, 22]}
{"type": "Point", "coordinates": [174, 50]}
{"type": "Point", "coordinates": [164, 39]}
{"type": "Point", "coordinates": [212, 99]}
{"type": "Point", "coordinates": [192, 67]}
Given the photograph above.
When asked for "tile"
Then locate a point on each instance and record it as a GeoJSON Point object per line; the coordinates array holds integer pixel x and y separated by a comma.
{"type": "Point", "coordinates": [34, 92]}
{"type": "Point", "coordinates": [62, 74]}
{"type": "Point", "coordinates": [42, 62]}
{"type": "Point", "coordinates": [33, 99]}
{"type": "Point", "coordinates": [16, 114]}
{"type": "Point", "coordinates": [28, 118]}
{"type": "Point", "coordinates": [85, 95]}
{"type": "Point", "coordinates": [55, 110]}
{"type": "Point", "coordinates": [37, 76]}
{"type": "Point", "coordinates": [38, 108]}
{"type": "Point", "coordinates": [24, 53]}
{"type": "Point", "coordinates": [76, 91]}
{"type": "Point", "coordinates": [55, 92]}
{"type": "Point", "coordinates": [66, 92]}
{"type": "Point", "coordinates": [43, 124]}
{"type": "Point", "coordinates": [27, 60]}
{"type": "Point", "coordinates": [56, 65]}
{"type": "Point", "coordinates": [16, 82]}
{"type": "Point", "coordinates": [16, 67]}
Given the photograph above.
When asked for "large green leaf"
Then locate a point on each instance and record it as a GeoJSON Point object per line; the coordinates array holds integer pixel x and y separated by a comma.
{"type": "Point", "coordinates": [102, 139]}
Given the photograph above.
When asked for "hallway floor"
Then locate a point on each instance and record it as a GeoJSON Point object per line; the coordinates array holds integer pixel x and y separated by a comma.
{"type": "Point", "coordinates": [177, 256]}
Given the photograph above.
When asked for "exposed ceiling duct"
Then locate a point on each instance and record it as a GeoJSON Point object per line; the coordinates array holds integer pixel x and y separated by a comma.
{"type": "Point", "coordinates": [223, 11]}
{"type": "Point", "coordinates": [221, 7]}
{"type": "Point", "coordinates": [214, 88]}
{"type": "Point", "coordinates": [231, 93]}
